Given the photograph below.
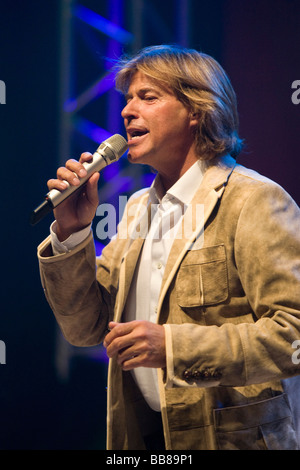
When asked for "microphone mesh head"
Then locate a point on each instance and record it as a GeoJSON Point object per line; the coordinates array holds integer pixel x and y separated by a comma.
{"type": "Point", "coordinates": [114, 147]}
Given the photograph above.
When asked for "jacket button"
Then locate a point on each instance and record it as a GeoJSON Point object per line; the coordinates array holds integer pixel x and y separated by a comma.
{"type": "Point", "coordinates": [187, 374]}
{"type": "Point", "coordinates": [206, 374]}
{"type": "Point", "coordinates": [196, 375]}
{"type": "Point", "coordinates": [217, 375]}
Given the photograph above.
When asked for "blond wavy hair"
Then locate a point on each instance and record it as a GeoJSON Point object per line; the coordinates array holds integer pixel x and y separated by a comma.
{"type": "Point", "coordinates": [199, 82]}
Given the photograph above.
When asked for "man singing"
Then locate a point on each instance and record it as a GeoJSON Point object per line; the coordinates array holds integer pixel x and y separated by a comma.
{"type": "Point", "coordinates": [198, 324]}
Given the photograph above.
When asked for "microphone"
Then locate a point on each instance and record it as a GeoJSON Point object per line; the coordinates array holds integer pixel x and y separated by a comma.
{"type": "Point", "coordinates": [108, 152]}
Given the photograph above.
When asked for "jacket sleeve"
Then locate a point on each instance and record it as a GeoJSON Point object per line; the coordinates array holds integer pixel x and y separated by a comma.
{"type": "Point", "coordinates": [81, 288]}
{"type": "Point", "coordinates": [82, 306]}
{"type": "Point", "coordinates": [267, 257]}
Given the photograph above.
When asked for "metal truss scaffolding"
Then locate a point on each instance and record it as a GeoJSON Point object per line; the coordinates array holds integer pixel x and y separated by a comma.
{"type": "Point", "coordinates": [93, 35]}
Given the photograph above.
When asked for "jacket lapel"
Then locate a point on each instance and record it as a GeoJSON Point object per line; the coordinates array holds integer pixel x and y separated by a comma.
{"type": "Point", "coordinates": [192, 227]}
{"type": "Point", "coordinates": [135, 240]}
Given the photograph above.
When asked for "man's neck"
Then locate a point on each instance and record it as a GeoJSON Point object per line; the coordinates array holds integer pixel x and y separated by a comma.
{"type": "Point", "coordinates": [169, 178]}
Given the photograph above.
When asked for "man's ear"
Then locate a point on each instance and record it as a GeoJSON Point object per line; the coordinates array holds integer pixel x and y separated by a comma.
{"type": "Point", "coordinates": [194, 118]}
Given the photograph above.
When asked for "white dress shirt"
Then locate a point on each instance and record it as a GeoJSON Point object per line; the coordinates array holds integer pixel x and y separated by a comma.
{"type": "Point", "coordinates": [144, 293]}
{"type": "Point", "coordinates": [167, 211]}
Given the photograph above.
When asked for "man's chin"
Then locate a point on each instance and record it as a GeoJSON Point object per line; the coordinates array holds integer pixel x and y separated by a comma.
{"type": "Point", "coordinates": [135, 157]}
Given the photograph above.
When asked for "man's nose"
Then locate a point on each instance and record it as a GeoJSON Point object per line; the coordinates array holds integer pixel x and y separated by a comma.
{"type": "Point", "coordinates": [130, 111]}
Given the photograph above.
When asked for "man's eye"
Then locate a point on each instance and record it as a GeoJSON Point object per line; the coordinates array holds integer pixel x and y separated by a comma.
{"type": "Point", "coordinates": [149, 98]}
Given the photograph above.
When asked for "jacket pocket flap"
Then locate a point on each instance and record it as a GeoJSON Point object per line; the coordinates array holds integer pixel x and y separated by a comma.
{"type": "Point", "coordinates": [240, 417]}
{"type": "Point", "coordinates": [202, 277]}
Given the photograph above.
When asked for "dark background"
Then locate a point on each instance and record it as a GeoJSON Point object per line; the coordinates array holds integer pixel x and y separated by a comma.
{"type": "Point", "coordinates": [257, 42]}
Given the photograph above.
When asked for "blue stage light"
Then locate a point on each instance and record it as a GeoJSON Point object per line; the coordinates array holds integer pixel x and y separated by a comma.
{"type": "Point", "coordinates": [103, 85]}
{"type": "Point", "coordinates": [91, 130]}
{"type": "Point", "coordinates": [102, 24]}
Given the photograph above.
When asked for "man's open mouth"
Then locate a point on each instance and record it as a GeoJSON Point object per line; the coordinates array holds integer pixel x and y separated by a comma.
{"type": "Point", "coordinates": [135, 134]}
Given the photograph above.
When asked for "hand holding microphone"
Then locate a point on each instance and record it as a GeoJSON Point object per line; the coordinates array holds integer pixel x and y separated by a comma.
{"type": "Point", "coordinates": [78, 179]}
{"type": "Point", "coordinates": [78, 210]}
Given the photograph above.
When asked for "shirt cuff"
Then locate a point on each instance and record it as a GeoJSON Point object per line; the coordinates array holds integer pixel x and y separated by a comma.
{"type": "Point", "coordinates": [70, 243]}
{"type": "Point", "coordinates": [169, 356]}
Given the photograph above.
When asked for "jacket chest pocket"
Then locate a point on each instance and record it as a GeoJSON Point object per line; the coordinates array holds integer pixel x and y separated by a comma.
{"type": "Point", "coordinates": [202, 278]}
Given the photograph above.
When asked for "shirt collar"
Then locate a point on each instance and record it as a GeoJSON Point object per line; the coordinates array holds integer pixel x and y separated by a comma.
{"type": "Point", "coordinates": [184, 189]}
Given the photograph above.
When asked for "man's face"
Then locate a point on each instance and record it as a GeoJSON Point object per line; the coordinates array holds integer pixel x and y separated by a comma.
{"type": "Point", "coordinates": [159, 127]}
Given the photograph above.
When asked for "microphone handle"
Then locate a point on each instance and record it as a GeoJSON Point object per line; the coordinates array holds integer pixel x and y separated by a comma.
{"type": "Point", "coordinates": [54, 197]}
{"type": "Point", "coordinates": [96, 164]}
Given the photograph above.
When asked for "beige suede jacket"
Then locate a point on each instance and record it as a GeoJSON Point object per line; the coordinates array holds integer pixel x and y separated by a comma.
{"type": "Point", "coordinates": [230, 306]}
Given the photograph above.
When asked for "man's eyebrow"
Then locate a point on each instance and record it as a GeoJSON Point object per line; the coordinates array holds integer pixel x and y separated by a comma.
{"type": "Point", "coordinates": [143, 91]}
{"type": "Point", "coordinates": [149, 89]}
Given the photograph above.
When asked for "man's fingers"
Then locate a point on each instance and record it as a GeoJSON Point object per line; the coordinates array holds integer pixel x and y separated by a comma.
{"type": "Point", "coordinates": [131, 363]}
{"type": "Point", "coordinates": [119, 345]}
{"type": "Point", "coordinates": [116, 330]}
{"type": "Point", "coordinates": [72, 166]}
{"type": "Point", "coordinates": [66, 175]}
{"type": "Point", "coordinates": [136, 344]}
{"type": "Point", "coordinates": [92, 189]}
{"type": "Point", "coordinates": [85, 157]}
{"type": "Point", "coordinates": [120, 340]}
{"type": "Point", "coordinates": [56, 184]}
{"type": "Point", "coordinates": [73, 170]}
